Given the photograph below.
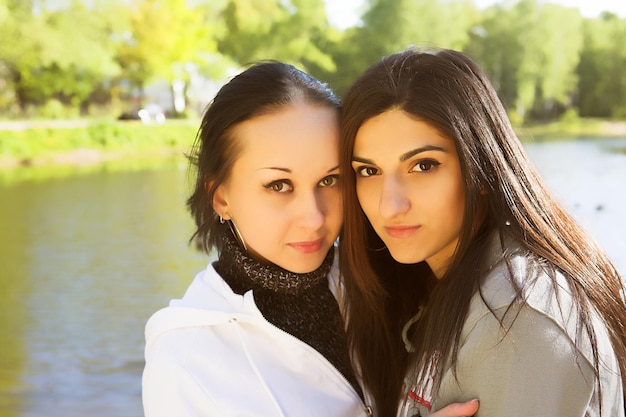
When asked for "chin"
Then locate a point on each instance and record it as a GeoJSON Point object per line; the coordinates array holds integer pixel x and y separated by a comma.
{"type": "Point", "coordinates": [302, 270]}
{"type": "Point", "coordinates": [303, 267]}
{"type": "Point", "coordinates": [404, 257]}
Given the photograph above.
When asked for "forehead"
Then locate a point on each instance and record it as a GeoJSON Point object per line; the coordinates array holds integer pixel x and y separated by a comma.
{"type": "Point", "coordinates": [292, 136]}
{"type": "Point", "coordinates": [396, 130]}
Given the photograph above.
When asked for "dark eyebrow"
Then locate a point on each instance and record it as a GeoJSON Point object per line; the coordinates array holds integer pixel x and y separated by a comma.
{"type": "Point", "coordinates": [404, 156]}
{"type": "Point", "coordinates": [410, 154]}
{"type": "Point", "coordinates": [362, 160]}
{"type": "Point", "coordinates": [287, 170]}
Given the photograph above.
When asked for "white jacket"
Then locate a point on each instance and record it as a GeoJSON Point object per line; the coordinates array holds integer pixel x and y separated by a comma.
{"type": "Point", "coordinates": [212, 353]}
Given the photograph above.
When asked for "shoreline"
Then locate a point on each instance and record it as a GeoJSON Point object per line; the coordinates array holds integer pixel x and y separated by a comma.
{"type": "Point", "coordinates": [42, 143]}
{"type": "Point", "coordinates": [121, 141]}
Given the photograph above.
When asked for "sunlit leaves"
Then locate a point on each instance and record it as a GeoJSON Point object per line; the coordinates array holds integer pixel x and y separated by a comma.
{"type": "Point", "coordinates": [288, 30]}
{"type": "Point", "coordinates": [531, 50]}
{"type": "Point", "coordinates": [545, 59]}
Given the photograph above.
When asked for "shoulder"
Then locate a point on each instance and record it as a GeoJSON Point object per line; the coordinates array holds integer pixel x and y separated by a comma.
{"type": "Point", "coordinates": [516, 276]}
{"type": "Point", "coordinates": [527, 301]}
{"type": "Point", "coordinates": [206, 287]}
{"type": "Point", "coordinates": [519, 358]}
{"type": "Point", "coordinates": [207, 302]}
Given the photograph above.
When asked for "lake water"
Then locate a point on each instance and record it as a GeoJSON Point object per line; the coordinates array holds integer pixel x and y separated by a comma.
{"type": "Point", "coordinates": [87, 254]}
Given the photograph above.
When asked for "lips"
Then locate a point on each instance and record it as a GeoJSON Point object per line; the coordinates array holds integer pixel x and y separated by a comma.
{"type": "Point", "coordinates": [308, 246]}
{"type": "Point", "coordinates": [400, 232]}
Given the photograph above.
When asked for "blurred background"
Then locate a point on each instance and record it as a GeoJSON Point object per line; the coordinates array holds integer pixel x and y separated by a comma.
{"type": "Point", "coordinates": [101, 99]}
{"type": "Point", "coordinates": [88, 58]}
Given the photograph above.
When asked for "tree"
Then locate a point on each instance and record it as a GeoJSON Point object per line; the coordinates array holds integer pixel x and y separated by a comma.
{"type": "Point", "coordinates": [292, 31]}
{"type": "Point", "coordinates": [602, 84]}
{"type": "Point", "coordinates": [163, 36]}
{"type": "Point", "coordinates": [393, 25]}
{"type": "Point", "coordinates": [61, 54]}
{"type": "Point", "coordinates": [533, 65]}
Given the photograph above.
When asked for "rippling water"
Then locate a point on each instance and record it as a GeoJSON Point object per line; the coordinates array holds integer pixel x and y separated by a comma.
{"type": "Point", "coordinates": [85, 260]}
{"type": "Point", "coordinates": [86, 257]}
{"type": "Point", "coordinates": [589, 178]}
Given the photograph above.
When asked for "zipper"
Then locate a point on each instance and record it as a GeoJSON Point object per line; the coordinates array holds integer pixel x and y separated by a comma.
{"type": "Point", "coordinates": [367, 409]}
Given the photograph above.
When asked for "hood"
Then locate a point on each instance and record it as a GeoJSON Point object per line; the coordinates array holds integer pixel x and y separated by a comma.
{"type": "Point", "coordinates": [208, 301]}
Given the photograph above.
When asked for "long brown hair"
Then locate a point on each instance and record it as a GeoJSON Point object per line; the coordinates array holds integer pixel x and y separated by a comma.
{"type": "Point", "coordinates": [449, 91]}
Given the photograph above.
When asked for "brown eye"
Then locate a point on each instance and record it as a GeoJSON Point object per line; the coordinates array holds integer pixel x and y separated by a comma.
{"type": "Point", "coordinates": [329, 181]}
{"type": "Point", "coordinates": [425, 165]}
{"type": "Point", "coordinates": [366, 171]}
{"type": "Point", "coordinates": [281, 186]}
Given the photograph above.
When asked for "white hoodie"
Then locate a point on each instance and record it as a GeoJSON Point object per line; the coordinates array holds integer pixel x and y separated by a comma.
{"type": "Point", "coordinates": [212, 353]}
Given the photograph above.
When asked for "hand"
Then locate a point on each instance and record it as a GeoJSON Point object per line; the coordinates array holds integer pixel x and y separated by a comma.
{"type": "Point", "coordinates": [466, 409]}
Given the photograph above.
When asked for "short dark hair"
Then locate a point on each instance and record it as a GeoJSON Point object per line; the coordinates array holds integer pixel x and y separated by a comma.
{"type": "Point", "coordinates": [262, 88]}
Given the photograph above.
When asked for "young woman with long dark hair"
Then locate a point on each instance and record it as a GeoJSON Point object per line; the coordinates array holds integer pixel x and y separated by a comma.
{"type": "Point", "coordinates": [464, 277]}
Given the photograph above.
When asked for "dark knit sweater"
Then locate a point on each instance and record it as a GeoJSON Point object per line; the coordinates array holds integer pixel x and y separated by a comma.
{"type": "Point", "coordinates": [300, 304]}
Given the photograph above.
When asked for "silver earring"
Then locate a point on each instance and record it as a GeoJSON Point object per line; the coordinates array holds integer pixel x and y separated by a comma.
{"type": "Point", "coordinates": [221, 220]}
{"type": "Point", "coordinates": [237, 234]}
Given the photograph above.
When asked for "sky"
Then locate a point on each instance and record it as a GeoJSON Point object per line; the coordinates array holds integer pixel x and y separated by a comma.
{"type": "Point", "coordinates": [344, 13]}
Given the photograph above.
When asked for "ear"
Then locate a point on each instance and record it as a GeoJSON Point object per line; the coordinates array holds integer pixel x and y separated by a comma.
{"type": "Point", "coordinates": [220, 202]}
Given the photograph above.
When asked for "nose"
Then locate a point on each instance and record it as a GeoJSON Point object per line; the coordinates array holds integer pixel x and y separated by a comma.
{"type": "Point", "coordinates": [312, 211]}
{"type": "Point", "coordinates": [393, 199]}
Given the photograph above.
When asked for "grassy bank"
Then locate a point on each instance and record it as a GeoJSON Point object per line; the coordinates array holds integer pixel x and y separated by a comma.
{"type": "Point", "coordinates": [90, 142]}
{"type": "Point", "coordinates": [575, 128]}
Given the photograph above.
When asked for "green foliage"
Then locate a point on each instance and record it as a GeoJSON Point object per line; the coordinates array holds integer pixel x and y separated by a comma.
{"type": "Point", "coordinates": [292, 31]}
{"type": "Point", "coordinates": [58, 54]}
{"type": "Point", "coordinates": [54, 109]}
{"type": "Point", "coordinates": [544, 58]}
{"type": "Point", "coordinates": [531, 51]}
{"type": "Point", "coordinates": [570, 127]}
{"type": "Point", "coordinates": [122, 138]}
{"type": "Point", "coordinates": [602, 85]}
{"type": "Point", "coordinates": [392, 25]}
{"type": "Point", "coordinates": [164, 35]}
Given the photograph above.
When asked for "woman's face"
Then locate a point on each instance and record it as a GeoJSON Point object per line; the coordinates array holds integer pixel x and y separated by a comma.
{"type": "Point", "coordinates": [409, 184]}
{"type": "Point", "coordinates": [283, 192]}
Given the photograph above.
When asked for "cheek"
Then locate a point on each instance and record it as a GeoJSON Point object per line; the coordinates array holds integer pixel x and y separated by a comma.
{"type": "Point", "coordinates": [263, 236]}
{"type": "Point", "coordinates": [450, 192]}
{"type": "Point", "coordinates": [251, 206]}
{"type": "Point", "coordinates": [333, 209]}
{"type": "Point", "coordinates": [366, 196]}
{"type": "Point", "coordinates": [454, 206]}
{"type": "Point", "coordinates": [459, 194]}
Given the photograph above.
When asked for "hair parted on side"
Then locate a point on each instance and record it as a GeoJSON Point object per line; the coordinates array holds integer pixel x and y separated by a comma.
{"type": "Point", "coordinates": [264, 87]}
{"type": "Point", "coordinates": [447, 90]}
